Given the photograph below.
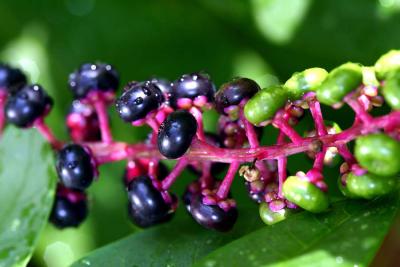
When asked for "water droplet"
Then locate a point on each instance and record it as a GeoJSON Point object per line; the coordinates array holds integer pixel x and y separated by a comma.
{"type": "Point", "coordinates": [210, 263]}
{"type": "Point", "coordinates": [15, 225]}
{"type": "Point", "coordinates": [364, 226]}
{"type": "Point", "coordinates": [339, 260]}
{"type": "Point", "coordinates": [86, 262]}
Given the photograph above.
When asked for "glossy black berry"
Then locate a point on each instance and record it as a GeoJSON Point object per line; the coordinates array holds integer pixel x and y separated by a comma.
{"type": "Point", "coordinates": [138, 100]}
{"type": "Point", "coordinates": [191, 191]}
{"type": "Point", "coordinates": [67, 213]}
{"type": "Point", "coordinates": [191, 86]}
{"type": "Point", "coordinates": [146, 206]}
{"type": "Point", "coordinates": [163, 85]}
{"type": "Point", "coordinates": [82, 122]}
{"type": "Point", "coordinates": [176, 133]}
{"type": "Point", "coordinates": [28, 104]}
{"type": "Point", "coordinates": [232, 93]}
{"type": "Point", "coordinates": [212, 216]}
{"type": "Point", "coordinates": [75, 167]}
{"type": "Point", "coordinates": [11, 79]}
{"type": "Point", "coordinates": [93, 76]}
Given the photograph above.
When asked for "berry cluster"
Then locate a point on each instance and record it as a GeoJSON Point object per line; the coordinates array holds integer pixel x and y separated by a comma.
{"type": "Point", "coordinates": [174, 112]}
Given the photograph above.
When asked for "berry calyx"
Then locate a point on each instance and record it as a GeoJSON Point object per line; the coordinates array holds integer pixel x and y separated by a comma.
{"type": "Point", "coordinates": [305, 194]}
{"type": "Point", "coordinates": [212, 216]}
{"type": "Point", "coordinates": [93, 77]}
{"type": "Point", "coordinates": [176, 133]}
{"type": "Point", "coordinates": [75, 167]}
{"type": "Point", "coordinates": [28, 104]}
{"type": "Point", "coordinates": [11, 79]}
{"type": "Point", "coordinates": [69, 211]}
{"type": "Point", "coordinates": [147, 206]}
{"type": "Point", "coordinates": [191, 86]}
{"type": "Point", "coordinates": [378, 153]}
{"type": "Point", "coordinates": [233, 92]}
{"type": "Point", "coordinates": [138, 100]}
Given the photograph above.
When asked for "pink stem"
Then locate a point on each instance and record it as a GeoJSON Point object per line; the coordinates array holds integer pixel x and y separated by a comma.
{"type": "Point", "coordinates": [316, 113]}
{"type": "Point", "coordinates": [254, 143]}
{"type": "Point", "coordinates": [206, 178]}
{"type": "Point", "coordinates": [284, 126]}
{"type": "Point", "coordinates": [203, 151]}
{"type": "Point", "coordinates": [282, 162]}
{"type": "Point", "coordinates": [319, 160]}
{"type": "Point", "coordinates": [223, 189]}
{"type": "Point", "coordinates": [47, 133]}
{"type": "Point", "coordinates": [3, 100]}
{"type": "Point", "coordinates": [154, 126]}
{"type": "Point", "coordinates": [199, 118]}
{"type": "Point", "coordinates": [361, 114]}
{"type": "Point", "coordinates": [101, 110]}
{"type": "Point", "coordinates": [170, 179]}
{"type": "Point", "coordinates": [346, 154]}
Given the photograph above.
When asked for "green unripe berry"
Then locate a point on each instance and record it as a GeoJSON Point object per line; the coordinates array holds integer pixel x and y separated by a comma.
{"type": "Point", "coordinates": [370, 185]}
{"type": "Point", "coordinates": [387, 63]}
{"type": "Point", "coordinates": [263, 105]}
{"type": "Point", "coordinates": [344, 190]}
{"type": "Point", "coordinates": [378, 153]}
{"type": "Point", "coordinates": [305, 81]}
{"type": "Point", "coordinates": [270, 217]}
{"type": "Point", "coordinates": [391, 89]}
{"type": "Point", "coordinates": [305, 194]}
{"type": "Point", "coordinates": [339, 82]}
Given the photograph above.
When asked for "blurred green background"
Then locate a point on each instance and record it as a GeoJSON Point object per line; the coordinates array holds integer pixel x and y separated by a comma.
{"type": "Point", "coordinates": [266, 40]}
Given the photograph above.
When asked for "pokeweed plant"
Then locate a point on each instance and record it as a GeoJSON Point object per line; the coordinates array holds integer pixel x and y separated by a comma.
{"type": "Point", "coordinates": [174, 112]}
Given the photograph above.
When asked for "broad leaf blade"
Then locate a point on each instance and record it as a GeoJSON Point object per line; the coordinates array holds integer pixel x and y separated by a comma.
{"type": "Point", "coordinates": [27, 182]}
{"type": "Point", "coordinates": [349, 235]}
{"type": "Point", "coordinates": [178, 243]}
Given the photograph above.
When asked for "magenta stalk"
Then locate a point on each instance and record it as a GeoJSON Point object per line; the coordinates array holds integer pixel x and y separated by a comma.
{"type": "Point", "coordinates": [199, 118]}
{"type": "Point", "coordinates": [47, 133]}
{"type": "Point", "coordinates": [282, 162]}
{"type": "Point", "coordinates": [359, 110]}
{"type": "Point", "coordinates": [101, 110]}
{"type": "Point", "coordinates": [176, 171]}
{"type": "Point", "coordinates": [223, 189]}
{"type": "Point", "coordinates": [282, 124]}
{"type": "Point", "coordinates": [202, 151]}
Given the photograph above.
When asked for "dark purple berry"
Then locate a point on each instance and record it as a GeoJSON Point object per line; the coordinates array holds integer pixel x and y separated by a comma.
{"type": "Point", "coordinates": [138, 100]}
{"type": "Point", "coordinates": [91, 77]}
{"type": "Point", "coordinates": [147, 206]}
{"type": "Point", "coordinates": [82, 123]}
{"type": "Point", "coordinates": [191, 191]}
{"type": "Point", "coordinates": [27, 105]}
{"type": "Point", "coordinates": [75, 167]}
{"type": "Point", "coordinates": [232, 93]}
{"type": "Point", "coordinates": [163, 85]}
{"type": "Point", "coordinates": [11, 79]}
{"type": "Point", "coordinates": [67, 213]}
{"type": "Point", "coordinates": [191, 86]}
{"type": "Point", "coordinates": [212, 216]}
{"type": "Point", "coordinates": [176, 133]}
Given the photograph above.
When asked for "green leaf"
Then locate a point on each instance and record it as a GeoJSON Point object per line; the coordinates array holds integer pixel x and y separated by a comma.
{"type": "Point", "coordinates": [348, 235]}
{"type": "Point", "coordinates": [27, 183]}
{"type": "Point", "coordinates": [178, 243]}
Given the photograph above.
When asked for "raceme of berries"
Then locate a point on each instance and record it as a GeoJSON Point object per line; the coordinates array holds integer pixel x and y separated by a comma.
{"type": "Point", "coordinates": [174, 112]}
